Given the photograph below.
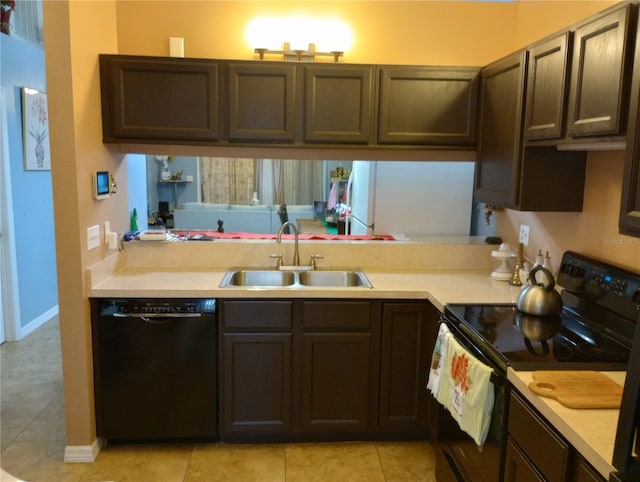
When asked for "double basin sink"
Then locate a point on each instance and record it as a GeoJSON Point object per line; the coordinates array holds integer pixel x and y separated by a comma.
{"type": "Point", "coordinates": [303, 278]}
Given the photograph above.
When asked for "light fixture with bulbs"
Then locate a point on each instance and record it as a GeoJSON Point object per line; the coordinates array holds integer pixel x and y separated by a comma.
{"type": "Point", "coordinates": [307, 37]}
{"type": "Point", "coordinates": [308, 55]}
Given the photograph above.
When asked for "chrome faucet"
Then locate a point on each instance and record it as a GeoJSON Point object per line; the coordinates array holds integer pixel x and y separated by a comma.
{"type": "Point", "coordinates": [296, 253]}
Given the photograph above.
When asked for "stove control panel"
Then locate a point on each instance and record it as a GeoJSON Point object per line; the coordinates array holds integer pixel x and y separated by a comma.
{"type": "Point", "coordinates": [611, 287]}
{"type": "Point", "coordinates": [606, 281]}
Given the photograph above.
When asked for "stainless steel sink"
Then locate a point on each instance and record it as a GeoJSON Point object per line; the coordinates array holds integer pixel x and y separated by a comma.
{"type": "Point", "coordinates": [303, 278]}
{"type": "Point", "coordinates": [258, 278]}
{"type": "Point", "coordinates": [331, 278]}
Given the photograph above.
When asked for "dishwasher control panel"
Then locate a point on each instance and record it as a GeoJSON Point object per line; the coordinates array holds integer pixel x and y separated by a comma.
{"type": "Point", "coordinates": [158, 306]}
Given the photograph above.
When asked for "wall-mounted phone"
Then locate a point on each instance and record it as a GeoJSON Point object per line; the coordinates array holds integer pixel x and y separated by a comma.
{"type": "Point", "coordinates": [101, 185]}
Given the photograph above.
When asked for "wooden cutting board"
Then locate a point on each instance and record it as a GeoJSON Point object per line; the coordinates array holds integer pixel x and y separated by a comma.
{"type": "Point", "coordinates": [577, 389]}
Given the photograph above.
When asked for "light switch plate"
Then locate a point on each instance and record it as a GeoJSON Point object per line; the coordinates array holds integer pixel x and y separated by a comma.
{"type": "Point", "coordinates": [93, 237]}
{"type": "Point", "coordinates": [524, 234]}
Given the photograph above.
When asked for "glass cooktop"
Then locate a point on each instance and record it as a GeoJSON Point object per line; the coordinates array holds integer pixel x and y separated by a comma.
{"type": "Point", "coordinates": [532, 343]}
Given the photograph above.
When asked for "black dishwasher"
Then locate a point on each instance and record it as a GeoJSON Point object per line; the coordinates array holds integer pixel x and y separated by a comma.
{"type": "Point", "coordinates": [155, 364]}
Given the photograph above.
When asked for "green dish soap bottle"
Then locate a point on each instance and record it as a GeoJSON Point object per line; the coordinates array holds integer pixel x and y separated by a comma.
{"type": "Point", "coordinates": [134, 220]}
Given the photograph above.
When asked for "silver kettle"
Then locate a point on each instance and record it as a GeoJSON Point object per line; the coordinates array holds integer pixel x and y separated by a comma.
{"type": "Point", "coordinates": [540, 299]}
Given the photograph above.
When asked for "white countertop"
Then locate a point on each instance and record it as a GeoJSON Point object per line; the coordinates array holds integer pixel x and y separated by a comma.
{"type": "Point", "coordinates": [439, 287]}
{"type": "Point", "coordinates": [591, 431]}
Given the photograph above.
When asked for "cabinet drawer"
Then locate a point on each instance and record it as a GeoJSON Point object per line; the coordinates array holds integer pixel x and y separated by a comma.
{"type": "Point", "coordinates": [336, 316]}
{"type": "Point", "coordinates": [256, 315]}
{"type": "Point", "coordinates": [546, 450]}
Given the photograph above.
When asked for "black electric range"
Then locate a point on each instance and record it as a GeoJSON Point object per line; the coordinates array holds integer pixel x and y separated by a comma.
{"type": "Point", "coordinates": [601, 307]}
{"type": "Point", "coordinates": [593, 332]}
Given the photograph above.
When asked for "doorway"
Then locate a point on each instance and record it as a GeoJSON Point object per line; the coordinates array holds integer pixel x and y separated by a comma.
{"type": "Point", "coordinates": [8, 277]}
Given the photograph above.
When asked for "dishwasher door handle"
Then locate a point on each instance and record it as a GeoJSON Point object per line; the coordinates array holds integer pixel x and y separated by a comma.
{"type": "Point", "coordinates": [146, 316]}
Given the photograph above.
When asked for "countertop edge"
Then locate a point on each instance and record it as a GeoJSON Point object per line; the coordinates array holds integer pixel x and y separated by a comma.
{"type": "Point", "coordinates": [578, 434]}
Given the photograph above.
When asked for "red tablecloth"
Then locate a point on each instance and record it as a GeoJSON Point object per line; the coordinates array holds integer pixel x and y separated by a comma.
{"type": "Point", "coordinates": [242, 235]}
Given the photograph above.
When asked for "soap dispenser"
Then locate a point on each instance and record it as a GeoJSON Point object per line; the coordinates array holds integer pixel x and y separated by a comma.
{"type": "Point", "coordinates": [539, 262]}
{"type": "Point", "coordinates": [134, 220]}
{"type": "Point", "coordinates": [539, 259]}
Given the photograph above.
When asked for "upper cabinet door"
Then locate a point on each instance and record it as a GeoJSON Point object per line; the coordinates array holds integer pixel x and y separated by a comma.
{"type": "Point", "coordinates": [428, 105]}
{"type": "Point", "coordinates": [601, 58]}
{"type": "Point", "coordinates": [630, 205]}
{"type": "Point", "coordinates": [547, 87]}
{"type": "Point", "coordinates": [338, 104]}
{"type": "Point", "coordinates": [159, 98]}
{"type": "Point", "coordinates": [262, 102]}
{"type": "Point", "coordinates": [500, 146]}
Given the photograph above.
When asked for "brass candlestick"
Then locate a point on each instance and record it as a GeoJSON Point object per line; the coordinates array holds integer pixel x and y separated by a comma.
{"type": "Point", "coordinates": [515, 277]}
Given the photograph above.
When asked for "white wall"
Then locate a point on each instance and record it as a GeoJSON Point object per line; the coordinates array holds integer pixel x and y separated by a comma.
{"type": "Point", "coordinates": [426, 198]}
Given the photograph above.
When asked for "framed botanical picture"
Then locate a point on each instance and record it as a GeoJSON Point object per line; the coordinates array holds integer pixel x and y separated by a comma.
{"type": "Point", "coordinates": [35, 126]}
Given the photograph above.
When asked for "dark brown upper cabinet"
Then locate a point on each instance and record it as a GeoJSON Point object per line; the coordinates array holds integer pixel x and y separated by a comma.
{"type": "Point", "coordinates": [262, 101]}
{"type": "Point", "coordinates": [159, 99]}
{"type": "Point", "coordinates": [509, 175]}
{"type": "Point", "coordinates": [547, 88]}
{"type": "Point", "coordinates": [338, 104]}
{"type": "Point", "coordinates": [630, 205]}
{"type": "Point", "coordinates": [428, 106]}
{"type": "Point", "coordinates": [500, 141]}
{"type": "Point", "coordinates": [602, 51]}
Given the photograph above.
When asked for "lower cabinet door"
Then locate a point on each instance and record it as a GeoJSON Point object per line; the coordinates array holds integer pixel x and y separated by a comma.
{"type": "Point", "coordinates": [583, 472]}
{"type": "Point", "coordinates": [335, 382]}
{"type": "Point", "coordinates": [517, 466]}
{"type": "Point", "coordinates": [256, 383]}
{"type": "Point", "coordinates": [403, 367]}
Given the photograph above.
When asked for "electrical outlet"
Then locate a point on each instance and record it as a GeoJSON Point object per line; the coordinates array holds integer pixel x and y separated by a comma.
{"type": "Point", "coordinates": [524, 234]}
{"type": "Point", "coordinates": [93, 237]}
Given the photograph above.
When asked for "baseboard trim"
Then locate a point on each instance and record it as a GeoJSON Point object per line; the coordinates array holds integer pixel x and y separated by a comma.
{"type": "Point", "coordinates": [82, 454]}
{"type": "Point", "coordinates": [36, 323]}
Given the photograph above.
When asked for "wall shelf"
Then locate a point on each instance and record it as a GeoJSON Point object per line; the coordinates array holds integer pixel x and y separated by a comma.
{"type": "Point", "coordinates": [175, 189]}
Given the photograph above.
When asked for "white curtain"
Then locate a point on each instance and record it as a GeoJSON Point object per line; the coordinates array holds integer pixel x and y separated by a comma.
{"type": "Point", "coordinates": [226, 180]}
{"type": "Point", "coordinates": [269, 181]}
{"type": "Point", "coordinates": [302, 181]}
